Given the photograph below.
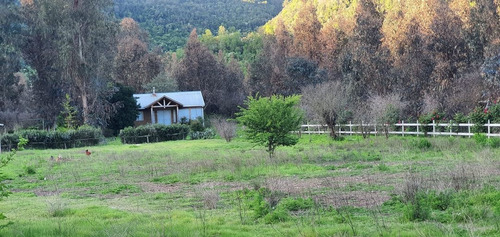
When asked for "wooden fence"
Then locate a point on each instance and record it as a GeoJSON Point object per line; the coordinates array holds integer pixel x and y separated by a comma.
{"type": "Point", "coordinates": [402, 128]}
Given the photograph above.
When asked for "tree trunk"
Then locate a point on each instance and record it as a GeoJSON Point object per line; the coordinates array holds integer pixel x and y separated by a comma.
{"type": "Point", "coordinates": [85, 105]}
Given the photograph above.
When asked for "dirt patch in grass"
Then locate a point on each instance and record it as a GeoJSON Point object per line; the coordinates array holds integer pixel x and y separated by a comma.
{"type": "Point", "coordinates": [221, 186]}
{"type": "Point", "coordinates": [149, 187]}
{"type": "Point", "coordinates": [354, 198]}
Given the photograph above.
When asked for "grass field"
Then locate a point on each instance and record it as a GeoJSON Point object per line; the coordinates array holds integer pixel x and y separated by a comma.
{"type": "Point", "coordinates": [320, 187]}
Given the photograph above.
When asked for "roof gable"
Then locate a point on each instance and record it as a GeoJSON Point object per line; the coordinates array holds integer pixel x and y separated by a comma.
{"type": "Point", "coordinates": [184, 98]}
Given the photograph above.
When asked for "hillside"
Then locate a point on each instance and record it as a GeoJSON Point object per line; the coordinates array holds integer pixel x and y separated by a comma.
{"type": "Point", "coordinates": [170, 21]}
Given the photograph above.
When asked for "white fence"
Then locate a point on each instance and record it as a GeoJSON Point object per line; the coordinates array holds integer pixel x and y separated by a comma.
{"type": "Point", "coordinates": [402, 128]}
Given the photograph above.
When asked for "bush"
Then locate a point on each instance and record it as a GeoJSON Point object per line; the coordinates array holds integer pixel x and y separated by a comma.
{"type": "Point", "coordinates": [207, 134]}
{"type": "Point", "coordinates": [419, 209]}
{"type": "Point", "coordinates": [83, 136]}
{"type": "Point", "coordinates": [226, 129]}
{"type": "Point", "coordinates": [479, 117]}
{"type": "Point", "coordinates": [480, 139]}
{"type": "Point", "coordinates": [154, 133]}
{"type": "Point", "coordinates": [422, 143]}
{"type": "Point", "coordinates": [197, 125]}
{"type": "Point", "coordinates": [493, 142]}
{"type": "Point", "coordinates": [428, 119]}
{"type": "Point", "coordinates": [86, 136]}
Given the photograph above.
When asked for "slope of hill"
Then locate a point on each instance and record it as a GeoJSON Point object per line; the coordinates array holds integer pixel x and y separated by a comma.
{"type": "Point", "coordinates": [170, 21]}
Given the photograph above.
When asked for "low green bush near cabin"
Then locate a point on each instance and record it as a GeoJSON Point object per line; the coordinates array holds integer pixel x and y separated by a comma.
{"type": "Point", "coordinates": [154, 133]}
{"type": "Point", "coordinates": [58, 139]}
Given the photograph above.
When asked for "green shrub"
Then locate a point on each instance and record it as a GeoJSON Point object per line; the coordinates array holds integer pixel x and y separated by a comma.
{"type": "Point", "coordinates": [426, 119]}
{"type": "Point", "coordinates": [479, 117]}
{"type": "Point", "coordinates": [292, 204]}
{"type": "Point", "coordinates": [10, 140]}
{"type": "Point", "coordinates": [207, 134]}
{"type": "Point", "coordinates": [493, 142]}
{"type": "Point", "coordinates": [154, 133]}
{"type": "Point", "coordinates": [197, 125]}
{"type": "Point", "coordinates": [278, 215]}
{"type": "Point", "coordinates": [422, 143]}
{"type": "Point", "coordinates": [30, 170]}
{"type": "Point", "coordinates": [419, 209]}
{"type": "Point", "coordinates": [86, 136]}
{"type": "Point", "coordinates": [83, 136]}
{"type": "Point", "coordinates": [480, 139]}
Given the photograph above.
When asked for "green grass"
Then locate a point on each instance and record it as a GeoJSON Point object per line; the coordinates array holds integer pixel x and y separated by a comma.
{"type": "Point", "coordinates": [318, 187]}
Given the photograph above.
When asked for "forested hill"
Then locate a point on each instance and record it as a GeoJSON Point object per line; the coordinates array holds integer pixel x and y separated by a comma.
{"type": "Point", "coordinates": [170, 21]}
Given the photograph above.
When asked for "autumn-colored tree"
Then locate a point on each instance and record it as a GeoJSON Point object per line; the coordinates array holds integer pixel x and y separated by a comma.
{"type": "Point", "coordinates": [306, 32]}
{"type": "Point", "coordinates": [199, 70]}
{"type": "Point", "coordinates": [363, 62]}
{"type": "Point", "coordinates": [135, 66]}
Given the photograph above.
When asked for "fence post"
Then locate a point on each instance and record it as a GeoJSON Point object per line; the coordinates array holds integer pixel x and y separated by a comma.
{"type": "Point", "coordinates": [375, 126]}
{"type": "Point", "coordinates": [403, 128]}
{"type": "Point", "coordinates": [488, 128]}
{"type": "Point", "coordinates": [340, 129]}
{"type": "Point", "coordinates": [350, 128]}
{"type": "Point", "coordinates": [468, 127]}
{"type": "Point", "coordinates": [434, 128]}
{"type": "Point", "coordinates": [451, 124]}
{"type": "Point", "coordinates": [418, 130]}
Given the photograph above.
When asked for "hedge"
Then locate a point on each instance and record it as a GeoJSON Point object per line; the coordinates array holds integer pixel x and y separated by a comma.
{"type": "Point", "coordinates": [83, 136]}
{"type": "Point", "coordinates": [154, 133]}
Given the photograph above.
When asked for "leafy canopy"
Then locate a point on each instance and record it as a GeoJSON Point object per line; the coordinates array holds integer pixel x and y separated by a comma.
{"type": "Point", "coordinates": [268, 121]}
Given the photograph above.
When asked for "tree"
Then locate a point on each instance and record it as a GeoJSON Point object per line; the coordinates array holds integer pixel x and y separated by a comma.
{"type": "Point", "coordinates": [307, 32]}
{"type": "Point", "coordinates": [269, 121]}
{"type": "Point", "coordinates": [386, 110]}
{"type": "Point", "coordinates": [68, 114]}
{"type": "Point", "coordinates": [127, 109]}
{"type": "Point", "coordinates": [10, 56]}
{"type": "Point", "coordinates": [135, 66]}
{"type": "Point", "coordinates": [328, 102]}
{"type": "Point", "coordinates": [221, 83]}
{"type": "Point", "coordinates": [70, 45]}
{"type": "Point", "coordinates": [199, 70]}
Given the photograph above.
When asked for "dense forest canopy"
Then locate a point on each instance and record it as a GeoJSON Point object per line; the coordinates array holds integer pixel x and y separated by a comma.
{"type": "Point", "coordinates": [428, 55]}
{"type": "Point", "coordinates": [170, 21]}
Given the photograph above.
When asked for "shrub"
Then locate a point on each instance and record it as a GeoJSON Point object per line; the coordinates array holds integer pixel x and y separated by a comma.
{"type": "Point", "coordinates": [86, 136]}
{"type": "Point", "coordinates": [226, 129]}
{"type": "Point", "coordinates": [493, 142]}
{"type": "Point", "coordinates": [154, 133]}
{"type": "Point", "coordinates": [207, 134]}
{"type": "Point", "coordinates": [480, 139]}
{"type": "Point", "coordinates": [429, 118]}
{"type": "Point", "coordinates": [197, 125]}
{"type": "Point", "coordinates": [422, 143]}
{"type": "Point", "coordinates": [479, 117]}
{"type": "Point", "coordinates": [83, 136]}
{"type": "Point", "coordinates": [419, 209]}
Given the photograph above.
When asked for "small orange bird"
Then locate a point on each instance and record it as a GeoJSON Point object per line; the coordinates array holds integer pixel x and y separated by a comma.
{"type": "Point", "coordinates": [87, 152]}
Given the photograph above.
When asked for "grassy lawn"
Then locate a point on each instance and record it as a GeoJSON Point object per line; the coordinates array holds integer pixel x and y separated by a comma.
{"type": "Point", "coordinates": [320, 187]}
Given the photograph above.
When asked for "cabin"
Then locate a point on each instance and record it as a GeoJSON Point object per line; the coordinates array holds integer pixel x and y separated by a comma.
{"type": "Point", "coordinates": [169, 108]}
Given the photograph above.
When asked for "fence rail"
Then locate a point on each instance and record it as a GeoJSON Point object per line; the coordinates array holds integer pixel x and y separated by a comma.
{"type": "Point", "coordinates": [402, 128]}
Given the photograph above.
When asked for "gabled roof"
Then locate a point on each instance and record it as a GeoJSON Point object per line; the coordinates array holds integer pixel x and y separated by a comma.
{"type": "Point", "coordinates": [184, 98]}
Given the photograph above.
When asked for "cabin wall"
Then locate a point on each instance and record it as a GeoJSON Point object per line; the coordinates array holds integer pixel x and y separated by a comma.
{"type": "Point", "coordinates": [146, 118]}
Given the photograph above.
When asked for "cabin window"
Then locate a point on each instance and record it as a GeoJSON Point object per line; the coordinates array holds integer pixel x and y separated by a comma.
{"type": "Point", "coordinates": [140, 116]}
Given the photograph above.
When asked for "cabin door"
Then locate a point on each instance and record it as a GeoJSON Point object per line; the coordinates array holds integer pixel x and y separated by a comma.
{"type": "Point", "coordinates": [164, 116]}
